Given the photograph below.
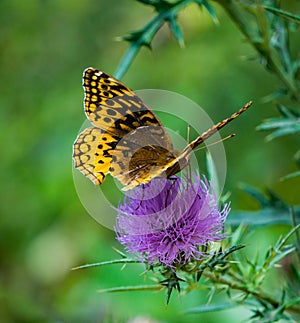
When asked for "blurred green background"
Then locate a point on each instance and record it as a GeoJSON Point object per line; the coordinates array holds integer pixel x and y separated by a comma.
{"type": "Point", "coordinates": [44, 229]}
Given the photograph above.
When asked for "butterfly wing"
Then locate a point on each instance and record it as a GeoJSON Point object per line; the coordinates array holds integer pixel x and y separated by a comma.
{"type": "Point", "coordinates": [177, 161]}
{"type": "Point", "coordinates": [110, 147]}
{"type": "Point", "coordinates": [84, 149]}
{"type": "Point", "coordinates": [139, 155]}
{"type": "Point", "coordinates": [128, 140]}
{"type": "Point", "coordinates": [110, 104]}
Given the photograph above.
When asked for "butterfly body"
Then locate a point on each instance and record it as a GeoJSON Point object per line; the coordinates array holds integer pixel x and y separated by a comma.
{"type": "Point", "coordinates": [127, 140]}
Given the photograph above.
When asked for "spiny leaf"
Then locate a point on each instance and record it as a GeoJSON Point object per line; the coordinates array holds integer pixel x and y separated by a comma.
{"type": "Point", "coordinates": [237, 235]}
{"type": "Point", "coordinates": [105, 263]}
{"type": "Point", "coordinates": [284, 14]}
{"type": "Point", "coordinates": [212, 173]}
{"type": "Point", "coordinates": [176, 30]}
{"type": "Point", "coordinates": [273, 210]}
{"type": "Point", "coordinates": [274, 95]}
{"type": "Point", "coordinates": [130, 288]}
{"type": "Point", "coordinates": [283, 132]}
{"type": "Point", "coordinates": [284, 123]}
{"type": "Point", "coordinates": [291, 175]}
{"type": "Point", "coordinates": [289, 123]}
{"type": "Point", "coordinates": [279, 256]}
{"type": "Point", "coordinates": [291, 302]}
{"type": "Point", "coordinates": [288, 112]}
{"type": "Point", "coordinates": [276, 201]}
{"type": "Point", "coordinates": [280, 243]}
{"type": "Point", "coordinates": [138, 36]}
{"type": "Point", "coordinates": [211, 11]}
{"type": "Point", "coordinates": [256, 194]}
{"type": "Point", "coordinates": [172, 282]}
{"type": "Point", "coordinates": [167, 11]}
{"type": "Point", "coordinates": [210, 308]}
{"type": "Point", "coordinates": [297, 158]}
{"type": "Point", "coordinates": [264, 217]}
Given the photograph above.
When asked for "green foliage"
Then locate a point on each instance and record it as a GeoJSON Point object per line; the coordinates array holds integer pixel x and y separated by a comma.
{"type": "Point", "coordinates": [167, 12]}
{"type": "Point", "coordinates": [248, 278]}
{"type": "Point", "coordinates": [273, 210]}
{"type": "Point", "coordinates": [268, 29]}
{"type": "Point", "coordinates": [227, 271]}
{"type": "Point", "coordinates": [45, 231]}
{"type": "Point", "coordinates": [269, 33]}
{"type": "Point", "coordinates": [287, 124]}
{"type": "Point", "coordinates": [282, 13]}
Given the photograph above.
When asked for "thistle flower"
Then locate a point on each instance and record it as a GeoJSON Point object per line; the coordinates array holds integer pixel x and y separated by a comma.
{"type": "Point", "coordinates": [167, 221]}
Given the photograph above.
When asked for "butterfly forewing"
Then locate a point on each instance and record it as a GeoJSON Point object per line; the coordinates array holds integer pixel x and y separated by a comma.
{"type": "Point", "coordinates": [109, 104]}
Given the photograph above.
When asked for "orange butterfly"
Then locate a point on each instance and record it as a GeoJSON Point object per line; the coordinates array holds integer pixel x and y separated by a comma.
{"type": "Point", "coordinates": [127, 140]}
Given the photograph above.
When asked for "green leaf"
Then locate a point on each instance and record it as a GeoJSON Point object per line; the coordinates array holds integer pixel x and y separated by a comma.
{"type": "Point", "coordinates": [210, 308]}
{"type": "Point", "coordinates": [110, 262]}
{"type": "Point", "coordinates": [176, 30]}
{"type": "Point", "coordinates": [288, 123]}
{"type": "Point", "coordinates": [290, 130]}
{"type": "Point", "coordinates": [256, 194]}
{"type": "Point", "coordinates": [291, 175]}
{"type": "Point", "coordinates": [288, 112]}
{"type": "Point", "coordinates": [281, 255]}
{"type": "Point", "coordinates": [130, 288]}
{"type": "Point", "coordinates": [171, 282]}
{"type": "Point", "coordinates": [276, 201]}
{"type": "Point", "coordinates": [268, 216]}
{"type": "Point", "coordinates": [274, 96]}
{"type": "Point", "coordinates": [291, 302]}
{"type": "Point", "coordinates": [167, 11]}
{"type": "Point", "coordinates": [281, 242]}
{"type": "Point", "coordinates": [282, 13]}
{"type": "Point", "coordinates": [273, 210]}
{"type": "Point", "coordinates": [297, 158]}
{"type": "Point", "coordinates": [209, 9]}
{"type": "Point", "coordinates": [212, 173]}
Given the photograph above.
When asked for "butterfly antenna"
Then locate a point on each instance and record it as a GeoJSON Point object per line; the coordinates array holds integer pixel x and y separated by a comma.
{"type": "Point", "coordinates": [194, 144]}
{"type": "Point", "coordinates": [216, 142]}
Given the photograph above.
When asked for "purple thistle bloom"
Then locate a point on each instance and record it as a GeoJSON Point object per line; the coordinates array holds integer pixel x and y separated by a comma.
{"type": "Point", "coordinates": [168, 220]}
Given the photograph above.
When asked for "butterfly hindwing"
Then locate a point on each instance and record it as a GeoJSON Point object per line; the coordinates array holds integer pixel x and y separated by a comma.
{"type": "Point", "coordinates": [84, 150]}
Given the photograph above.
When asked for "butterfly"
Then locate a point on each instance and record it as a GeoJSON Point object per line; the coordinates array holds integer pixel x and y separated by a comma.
{"type": "Point", "coordinates": [127, 140]}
